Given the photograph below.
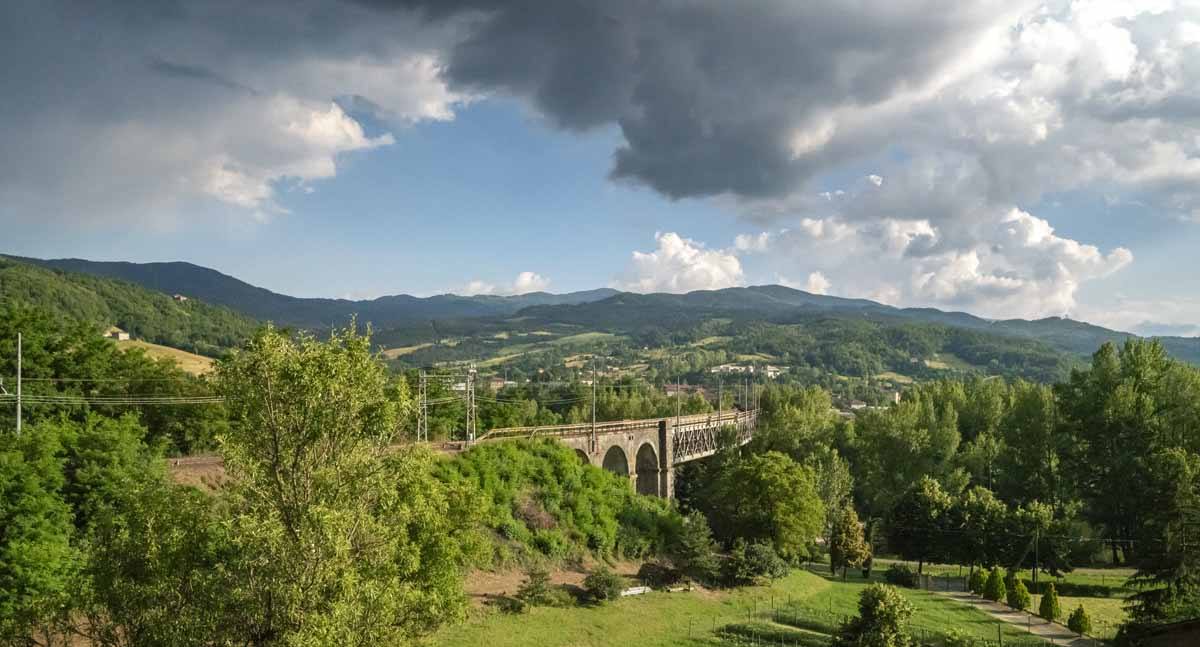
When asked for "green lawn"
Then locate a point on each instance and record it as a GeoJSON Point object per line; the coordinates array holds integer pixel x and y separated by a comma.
{"type": "Point", "coordinates": [1107, 613]}
{"type": "Point", "coordinates": [706, 618]}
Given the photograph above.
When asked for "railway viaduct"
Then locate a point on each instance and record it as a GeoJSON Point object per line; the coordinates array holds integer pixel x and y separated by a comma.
{"type": "Point", "coordinates": [645, 451]}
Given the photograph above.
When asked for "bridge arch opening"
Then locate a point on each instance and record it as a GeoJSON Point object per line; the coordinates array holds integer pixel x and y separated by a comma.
{"type": "Point", "coordinates": [582, 456]}
{"type": "Point", "coordinates": [615, 461]}
{"type": "Point", "coordinates": [647, 470]}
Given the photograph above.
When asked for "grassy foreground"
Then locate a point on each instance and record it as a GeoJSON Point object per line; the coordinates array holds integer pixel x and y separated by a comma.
{"type": "Point", "coordinates": [702, 617]}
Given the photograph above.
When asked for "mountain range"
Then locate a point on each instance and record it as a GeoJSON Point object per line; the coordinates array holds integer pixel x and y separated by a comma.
{"type": "Point", "coordinates": [591, 308]}
{"type": "Point", "coordinates": [211, 286]}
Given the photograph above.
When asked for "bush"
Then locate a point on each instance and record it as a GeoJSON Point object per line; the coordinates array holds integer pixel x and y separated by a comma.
{"type": "Point", "coordinates": [512, 605]}
{"type": "Point", "coordinates": [901, 575]}
{"type": "Point", "coordinates": [1018, 596]}
{"type": "Point", "coordinates": [1049, 607]}
{"type": "Point", "coordinates": [1079, 622]}
{"type": "Point", "coordinates": [883, 614]}
{"type": "Point", "coordinates": [538, 591]}
{"type": "Point", "coordinates": [603, 585]}
{"type": "Point", "coordinates": [658, 576]}
{"type": "Point", "coordinates": [994, 589]}
{"type": "Point", "coordinates": [748, 564]}
{"type": "Point", "coordinates": [977, 582]}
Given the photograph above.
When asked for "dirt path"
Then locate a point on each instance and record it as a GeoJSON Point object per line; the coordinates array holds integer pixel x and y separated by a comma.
{"type": "Point", "coordinates": [1051, 632]}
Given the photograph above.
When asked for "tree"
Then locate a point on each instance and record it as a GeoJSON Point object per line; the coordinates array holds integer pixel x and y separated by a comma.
{"type": "Point", "coordinates": [1168, 569]}
{"type": "Point", "coordinates": [768, 497]}
{"type": "Point", "coordinates": [340, 538]}
{"type": "Point", "coordinates": [899, 446]}
{"type": "Point", "coordinates": [695, 553]}
{"type": "Point", "coordinates": [1127, 406]}
{"type": "Point", "coordinates": [1049, 607]}
{"type": "Point", "coordinates": [994, 589]}
{"type": "Point", "coordinates": [37, 560]}
{"type": "Point", "coordinates": [159, 569]}
{"type": "Point", "coordinates": [846, 546]}
{"type": "Point", "coordinates": [1018, 596]}
{"type": "Point", "coordinates": [883, 615]}
{"type": "Point", "coordinates": [751, 563]}
{"type": "Point", "coordinates": [1030, 459]}
{"type": "Point", "coordinates": [982, 529]}
{"type": "Point", "coordinates": [794, 421]}
{"type": "Point", "coordinates": [1080, 622]}
{"type": "Point", "coordinates": [977, 582]}
{"type": "Point", "coordinates": [917, 527]}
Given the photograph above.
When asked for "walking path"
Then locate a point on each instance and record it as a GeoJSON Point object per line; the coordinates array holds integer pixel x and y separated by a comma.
{"type": "Point", "coordinates": [1050, 631]}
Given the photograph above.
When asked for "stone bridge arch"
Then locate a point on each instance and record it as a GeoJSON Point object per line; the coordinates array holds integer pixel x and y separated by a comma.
{"type": "Point", "coordinates": [647, 467]}
{"type": "Point", "coordinates": [616, 462]}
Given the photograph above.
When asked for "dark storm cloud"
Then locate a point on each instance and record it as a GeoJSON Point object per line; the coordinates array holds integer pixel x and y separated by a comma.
{"type": "Point", "coordinates": [706, 93]}
{"type": "Point", "coordinates": [195, 73]}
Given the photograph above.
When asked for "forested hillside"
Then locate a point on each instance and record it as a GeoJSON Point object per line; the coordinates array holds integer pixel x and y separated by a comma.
{"type": "Point", "coordinates": [214, 287]}
{"type": "Point", "coordinates": [190, 325]}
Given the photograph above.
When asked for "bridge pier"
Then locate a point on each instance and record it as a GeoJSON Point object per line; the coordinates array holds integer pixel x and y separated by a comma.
{"type": "Point", "coordinates": [666, 469]}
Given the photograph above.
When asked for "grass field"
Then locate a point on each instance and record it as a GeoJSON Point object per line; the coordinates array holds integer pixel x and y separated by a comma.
{"type": "Point", "coordinates": [393, 353]}
{"type": "Point", "coordinates": [190, 362]}
{"type": "Point", "coordinates": [894, 377]}
{"type": "Point", "coordinates": [1107, 612]}
{"type": "Point", "coordinates": [706, 617]}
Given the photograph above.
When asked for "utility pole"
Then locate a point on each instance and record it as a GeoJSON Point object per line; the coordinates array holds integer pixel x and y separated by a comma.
{"type": "Point", "coordinates": [18, 384]}
{"type": "Point", "coordinates": [678, 402]}
{"type": "Point", "coordinates": [594, 445]}
{"type": "Point", "coordinates": [471, 404]}
{"type": "Point", "coordinates": [423, 415]}
{"type": "Point", "coordinates": [1037, 531]}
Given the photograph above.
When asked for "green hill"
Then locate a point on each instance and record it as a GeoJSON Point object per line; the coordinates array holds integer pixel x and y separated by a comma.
{"type": "Point", "coordinates": [212, 286]}
{"type": "Point", "coordinates": [155, 317]}
{"type": "Point", "coordinates": [448, 315]}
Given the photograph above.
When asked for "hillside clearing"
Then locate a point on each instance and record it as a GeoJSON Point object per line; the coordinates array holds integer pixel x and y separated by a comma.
{"type": "Point", "coordinates": [393, 353]}
{"type": "Point", "coordinates": [190, 362]}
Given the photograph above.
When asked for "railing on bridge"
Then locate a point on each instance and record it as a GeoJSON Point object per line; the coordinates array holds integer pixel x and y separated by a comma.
{"type": "Point", "coordinates": [693, 436]}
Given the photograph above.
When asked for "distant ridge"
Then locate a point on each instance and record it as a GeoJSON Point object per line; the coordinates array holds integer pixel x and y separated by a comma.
{"type": "Point", "coordinates": [214, 287]}
{"type": "Point", "coordinates": [602, 306]}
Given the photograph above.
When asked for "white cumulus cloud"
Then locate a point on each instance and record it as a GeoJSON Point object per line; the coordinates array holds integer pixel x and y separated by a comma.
{"type": "Point", "coordinates": [524, 283]}
{"type": "Point", "coordinates": [680, 265]}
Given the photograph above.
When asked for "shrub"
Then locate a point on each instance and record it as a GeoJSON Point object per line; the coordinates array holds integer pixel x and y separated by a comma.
{"type": "Point", "coordinates": [977, 582]}
{"type": "Point", "coordinates": [512, 605]}
{"type": "Point", "coordinates": [1079, 622]}
{"type": "Point", "coordinates": [994, 589]}
{"type": "Point", "coordinates": [657, 575]}
{"type": "Point", "coordinates": [1018, 596]}
{"type": "Point", "coordinates": [883, 614]}
{"type": "Point", "coordinates": [901, 575]}
{"type": "Point", "coordinates": [1049, 607]}
{"type": "Point", "coordinates": [603, 585]}
{"type": "Point", "coordinates": [751, 563]}
{"type": "Point", "coordinates": [538, 591]}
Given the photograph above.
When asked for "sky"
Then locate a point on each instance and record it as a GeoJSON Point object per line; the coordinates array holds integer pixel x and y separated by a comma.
{"type": "Point", "coordinates": [1006, 158]}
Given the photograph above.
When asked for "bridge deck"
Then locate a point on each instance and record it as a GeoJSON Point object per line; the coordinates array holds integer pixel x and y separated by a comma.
{"type": "Point", "coordinates": [694, 436]}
